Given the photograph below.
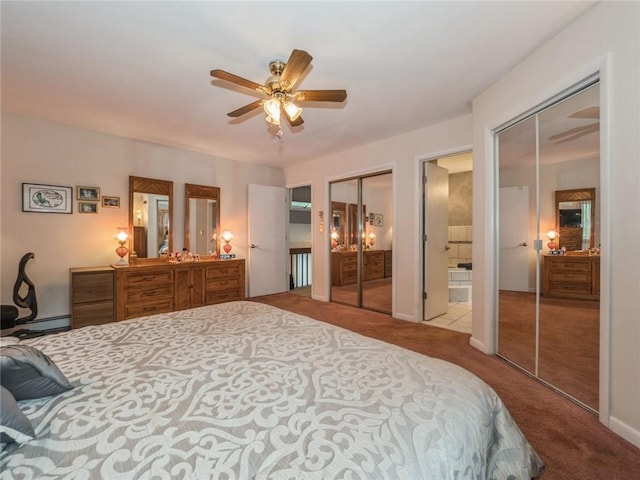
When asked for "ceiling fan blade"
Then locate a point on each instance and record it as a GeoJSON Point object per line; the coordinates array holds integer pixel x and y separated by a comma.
{"type": "Point", "coordinates": [321, 95]}
{"type": "Point", "coordinates": [298, 62]}
{"type": "Point", "coordinates": [589, 112]}
{"type": "Point", "coordinates": [246, 109]}
{"type": "Point", "coordinates": [576, 132]}
{"type": "Point", "coordinates": [230, 77]}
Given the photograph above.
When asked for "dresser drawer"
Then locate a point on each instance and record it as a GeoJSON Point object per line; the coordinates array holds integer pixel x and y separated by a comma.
{"type": "Point", "coordinates": [149, 307]}
{"type": "Point", "coordinates": [576, 277]}
{"type": "Point", "coordinates": [349, 260]}
{"type": "Point", "coordinates": [349, 268]}
{"type": "Point", "coordinates": [225, 270]}
{"type": "Point", "coordinates": [565, 288]}
{"type": "Point", "coordinates": [569, 266]}
{"type": "Point", "coordinates": [223, 283]}
{"type": "Point", "coordinates": [144, 294]}
{"type": "Point", "coordinates": [97, 313]}
{"type": "Point", "coordinates": [148, 279]}
{"type": "Point", "coordinates": [92, 288]}
{"type": "Point", "coordinates": [220, 296]}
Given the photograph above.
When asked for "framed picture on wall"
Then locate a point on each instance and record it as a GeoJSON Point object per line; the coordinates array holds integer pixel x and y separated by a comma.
{"type": "Point", "coordinates": [87, 207]}
{"type": "Point", "coordinates": [88, 194]}
{"type": "Point", "coordinates": [377, 220]}
{"type": "Point", "coordinates": [46, 198]}
{"type": "Point", "coordinates": [110, 202]}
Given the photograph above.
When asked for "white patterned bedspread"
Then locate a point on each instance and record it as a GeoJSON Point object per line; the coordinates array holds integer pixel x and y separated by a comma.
{"type": "Point", "coordinates": [243, 390]}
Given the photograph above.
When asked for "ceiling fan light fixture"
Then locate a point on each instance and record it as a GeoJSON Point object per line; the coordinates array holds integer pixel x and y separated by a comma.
{"type": "Point", "coordinates": [272, 108]}
{"type": "Point", "coordinates": [272, 120]}
{"type": "Point", "coordinates": [293, 111]}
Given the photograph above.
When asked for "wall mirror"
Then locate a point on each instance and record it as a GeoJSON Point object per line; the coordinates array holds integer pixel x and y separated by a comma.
{"type": "Point", "coordinates": [575, 218]}
{"type": "Point", "coordinates": [201, 219]}
{"type": "Point", "coordinates": [150, 217]}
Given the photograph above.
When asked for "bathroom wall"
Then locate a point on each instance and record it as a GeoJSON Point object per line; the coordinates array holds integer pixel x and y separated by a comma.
{"type": "Point", "coordinates": [460, 212]}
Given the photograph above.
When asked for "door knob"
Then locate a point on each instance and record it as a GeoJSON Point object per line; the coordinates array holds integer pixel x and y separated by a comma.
{"type": "Point", "coordinates": [253, 245]}
{"type": "Point", "coordinates": [523, 244]}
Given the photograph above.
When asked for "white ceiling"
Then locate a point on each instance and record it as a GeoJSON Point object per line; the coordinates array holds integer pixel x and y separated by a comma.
{"type": "Point", "coordinates": [141, 69]}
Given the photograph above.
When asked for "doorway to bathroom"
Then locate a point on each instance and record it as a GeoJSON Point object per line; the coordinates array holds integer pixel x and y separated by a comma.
{"type": "Point", "coordinates": [447, 241]}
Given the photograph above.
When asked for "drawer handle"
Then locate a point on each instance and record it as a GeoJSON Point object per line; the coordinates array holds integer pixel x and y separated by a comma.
{"type": "Point", "coordinates": [149, 293]}
{"type": "Point", "coordinates": [149, 309]}
{"type": "Point", "coordinates": [148, 279]}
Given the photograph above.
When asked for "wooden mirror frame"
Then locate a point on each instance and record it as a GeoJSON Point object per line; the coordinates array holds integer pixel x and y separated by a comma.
{"type": "Point", "coordinates": [577, 195]}
{"type": "Point", "coordinates": [154, 187]}
{"type": "Point", "coordinates": [352, 223]}
{"type": "Point", "coordinates": [203, 192]}
{"type": "Point", "coordinates": [341, 208]}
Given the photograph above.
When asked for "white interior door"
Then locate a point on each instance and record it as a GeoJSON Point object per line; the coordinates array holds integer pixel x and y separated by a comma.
{"type": "Point", "coordinates": [515, 245]}
{"type": "Point", "coordinates": [436, 261]}
{"type": "Point", "coordinates": [267, 240]}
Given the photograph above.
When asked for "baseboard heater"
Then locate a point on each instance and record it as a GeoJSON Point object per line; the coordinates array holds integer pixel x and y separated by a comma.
{"type": "Point", "coordinates": [59, 323]}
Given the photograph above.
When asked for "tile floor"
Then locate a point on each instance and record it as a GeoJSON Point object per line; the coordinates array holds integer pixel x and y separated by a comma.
{"type": "Point", "coordinates": [458, 318]}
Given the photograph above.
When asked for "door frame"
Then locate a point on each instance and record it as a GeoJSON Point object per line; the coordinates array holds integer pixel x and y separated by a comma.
{"type": "Point", "coordinates": [418, 253]}
{"type": "Point", "coordinates": [600, 75]}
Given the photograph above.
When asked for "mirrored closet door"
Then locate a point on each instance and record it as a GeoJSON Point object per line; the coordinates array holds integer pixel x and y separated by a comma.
{"type": "Point", "coordinates": [548, 297]}
{"type": "Point", "coordinates": [361, 236]}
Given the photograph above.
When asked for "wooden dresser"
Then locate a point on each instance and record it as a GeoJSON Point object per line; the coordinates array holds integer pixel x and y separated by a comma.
{"type": "Point", "coordinates": [388, 263]}
{"type": "Point", "coordinates": [92, 296]}
{"type": "Point", "coordinates": [571, 276]}
{"type": "Point", "coordinates": [146, 289]}
{"type": "Point", "coordinates": [344, 267]}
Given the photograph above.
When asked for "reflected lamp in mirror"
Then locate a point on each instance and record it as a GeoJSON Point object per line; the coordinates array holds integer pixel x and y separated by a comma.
{"type": "Point", "coordinates": [334, 239]}
{"type": "Point", "coordinates": [122, 236]}
{"type": "Point", "coordinates": [372, 239]}
{"type": "Point", "coordinates": [227, 236]}
{"type": "Point", "coordinates": [551, 235]}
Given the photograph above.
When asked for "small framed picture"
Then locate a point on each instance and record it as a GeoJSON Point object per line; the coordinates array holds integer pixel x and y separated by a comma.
{"type": "Point", "coordinates": [110, 202]}
{"type": "Point", "coordinates": [46, 198]}
{"type": "Point", "coordinates": [377, 220]}
{"type": "Point", "coordinates": [88, 194]}
{"type": "Point", "coordinates": [87, 207]}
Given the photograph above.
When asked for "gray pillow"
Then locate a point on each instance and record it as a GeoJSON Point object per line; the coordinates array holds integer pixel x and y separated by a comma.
{"type": "Point", "coordinates": [28, 373]}
{"type": "Point", "coordinates": [15, 427]}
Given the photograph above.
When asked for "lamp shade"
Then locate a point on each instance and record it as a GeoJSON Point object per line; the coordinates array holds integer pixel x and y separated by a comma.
{"type": "Point", "coordinates": [292, 110]}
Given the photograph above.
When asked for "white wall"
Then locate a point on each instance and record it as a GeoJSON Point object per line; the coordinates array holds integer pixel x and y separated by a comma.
{"type": "Point", "coordinates": [606, 39]}
{"type": "Point", "coordinates": [50, 153]}
{"type": "Point", "coordinates": [401, 154]}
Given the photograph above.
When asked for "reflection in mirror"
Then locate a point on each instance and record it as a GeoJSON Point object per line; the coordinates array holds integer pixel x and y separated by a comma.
{"type": "Point", "coordinates": [338, 223]}
{"type": "Point", "coordinates": [202, 219]}
{"type": "Point", "coordinates": [575, 218]}
{"type": "Point", "coordinates": [344, 265]}
{"type": "Point", "coordinates": [352, 223]}
{"type": "Point", "coordinates": [548, 303]}
{"type": "Point", "coordinates": [150, 217]}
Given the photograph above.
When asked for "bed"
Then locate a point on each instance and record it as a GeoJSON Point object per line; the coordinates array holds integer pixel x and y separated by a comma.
{"type": "Point", "coordinates": [243, 390]}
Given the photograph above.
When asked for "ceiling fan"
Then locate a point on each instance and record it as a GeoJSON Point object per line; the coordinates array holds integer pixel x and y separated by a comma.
{"type": "Point", "coordinates": [590, 113]}
{"type": "Point", "coordinates": [279, 90]}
